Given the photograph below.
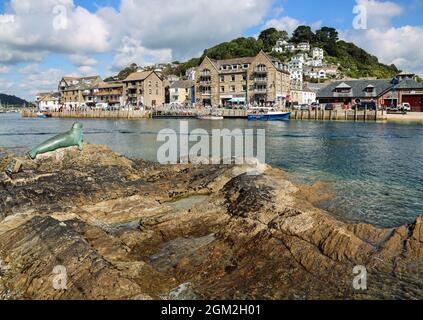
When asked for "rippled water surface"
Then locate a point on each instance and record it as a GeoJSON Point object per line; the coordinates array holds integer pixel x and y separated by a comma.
{"type": "Point", "coordinates": [374, 169]}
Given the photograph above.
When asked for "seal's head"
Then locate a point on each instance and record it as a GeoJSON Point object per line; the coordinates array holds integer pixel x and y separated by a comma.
{"type": "Point", "coordinates": [77, 126]}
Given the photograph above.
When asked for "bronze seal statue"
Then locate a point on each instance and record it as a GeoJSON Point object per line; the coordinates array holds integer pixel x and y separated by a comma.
{"type": "Point", "coordinates": [74, 137]}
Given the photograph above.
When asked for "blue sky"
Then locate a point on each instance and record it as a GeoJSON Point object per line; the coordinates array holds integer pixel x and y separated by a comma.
{"type": "Point", "coordinates": [103, 36]}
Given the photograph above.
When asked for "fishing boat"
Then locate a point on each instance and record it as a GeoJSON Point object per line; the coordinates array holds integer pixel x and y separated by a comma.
{"type": "Point", "coordinates": [214, 115]}
{"type": "Point", "coordinates": [267, 114]}
{"type": "Point", "coordinates": [44, 115]}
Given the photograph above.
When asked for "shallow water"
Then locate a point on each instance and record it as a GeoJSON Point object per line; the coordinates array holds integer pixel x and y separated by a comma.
{"type": "Point", "coordinates": [374, 169]}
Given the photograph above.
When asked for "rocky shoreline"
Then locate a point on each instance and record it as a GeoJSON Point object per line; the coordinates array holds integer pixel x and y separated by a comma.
{"type": "Point", "coordinates": [132, 229]}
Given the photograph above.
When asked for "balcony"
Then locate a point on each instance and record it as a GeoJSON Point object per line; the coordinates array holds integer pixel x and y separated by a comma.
{"type": "Point", "coordinates": [260, 90]}
{"type": "Point", "coordinates": [206, 93]}
{"type": "Point", "coordinates": [260, 80]}
{"type": "Point", "coordinates": [260, 70]}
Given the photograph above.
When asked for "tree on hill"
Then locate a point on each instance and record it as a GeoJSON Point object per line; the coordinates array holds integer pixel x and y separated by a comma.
{"type": "Point", "coordinates": [303, 34]}
{"type": "Point", "coordinates": [327, 35]}
{"type": "Point", "coordinates": [124, 73]}
{"type": "Point", "coordinates": [269, 37]}
{"type": "Point", "coordinates": [241, 47]}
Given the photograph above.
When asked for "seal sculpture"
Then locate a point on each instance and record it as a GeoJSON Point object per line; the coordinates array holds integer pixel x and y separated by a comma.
{"type": "Point", "coordinates": [74, 137]}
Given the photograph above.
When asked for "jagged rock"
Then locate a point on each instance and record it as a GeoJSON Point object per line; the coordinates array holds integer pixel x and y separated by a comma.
{"type": "Point", "coordinates": [127, 229]}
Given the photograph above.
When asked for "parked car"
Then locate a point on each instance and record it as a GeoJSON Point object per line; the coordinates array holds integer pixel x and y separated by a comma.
{"type": "Point", "coordinates": [329, 107]}
{"type": "Point", "coordinates": [369, 105]}
{"type": "Point", "coordinates": [295, 107]}
{"type": "Point", "coordinates": [305, 107]}
{"type": "Point", "coordinates": [315, 106]}
{"type": "Point", "coordinates": [406, 107]}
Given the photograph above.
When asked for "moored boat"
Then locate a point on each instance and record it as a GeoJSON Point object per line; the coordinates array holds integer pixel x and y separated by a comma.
{"type": "Point", "coordinates": [267, 114]}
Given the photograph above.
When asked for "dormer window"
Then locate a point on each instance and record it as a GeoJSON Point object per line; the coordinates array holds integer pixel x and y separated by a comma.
{"type": "Point", "coordinates": [343, 88]}
{"type": "Point", "coordinates": [370, 89]}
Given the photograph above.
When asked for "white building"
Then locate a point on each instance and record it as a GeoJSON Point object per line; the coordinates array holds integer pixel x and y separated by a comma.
{"type": "Point", "coordinates": [304, 46]}
{"type": "Point", "coordinates": [49, 101]}
{"type": "Point", "coordinates": [181, 92]}
{"type": "Point", "coordinates": [309, 96]}
{"type": "Point", "coordinates": [318, 53]}
{"type": "Point", "coordinates": [190, 74]}
{"type": "Point", "coordinates": [291, 47]}
{"type": "Point", "coordinates": [295, 68]}
{"type": "Point", "coordinates": [280, 46]}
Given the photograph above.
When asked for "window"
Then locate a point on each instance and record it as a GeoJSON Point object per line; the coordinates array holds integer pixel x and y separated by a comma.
{"type": "Point", "coordinates": [150, 91]}
{"type": "Point", "coordinates": [222, 89]}
{"type": "Point", "coordinates": [222, 78]}
{"type": "Point", "coordinates": [244, 88]}
{"type": "Point", "coordinates": [157, 91]}
{"type": "Point", "coordinates": [233, 78]}
{"type": "Point", "coordinates": [244, 77]}
{"type": "Point", "coordinates": [232, 88]}
{"type": "Point", "coordinates": [235, 67]}
{"type": "Point", "coordinates": [157, 84]}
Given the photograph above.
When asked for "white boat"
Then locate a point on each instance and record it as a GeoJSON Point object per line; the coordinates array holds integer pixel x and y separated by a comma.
{"type": "Point", "coordinates": [211, 117]}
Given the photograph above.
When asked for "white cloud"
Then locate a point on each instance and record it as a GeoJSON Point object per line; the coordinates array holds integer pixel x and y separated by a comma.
{"type": "Point", "coordinates": [402, 46]}
{"type": "Point", "coordinates": [132, 51]}
{"type": "Point", "coordinates": [86, 70]}
{"type": "Point", "coordinates": [185, 27]}
{"type": "Point", "coordinates": [380, 13]}
{"type": "Point", "coordinates": [284, 23]}
{"type": "Point", "coordinates": [82, 60]}
{"type": "Point", "coordinates": [4, 69]}
{"type": "Point", "coordinates": [31, 29]}
{"type": "Point", "coordinates": [5, 85]}
{"type": "Point", "coordinates": [29, 68]}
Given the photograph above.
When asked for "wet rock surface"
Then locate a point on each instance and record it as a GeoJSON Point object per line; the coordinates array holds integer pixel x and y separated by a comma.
{"type": "Point", "coordinates": [124, 229]}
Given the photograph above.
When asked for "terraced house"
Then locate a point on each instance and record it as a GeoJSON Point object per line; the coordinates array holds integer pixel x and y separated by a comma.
{"type": "Point", "coordinates": [110, 93]}
{"type": "Point", "coordinates": [74, 92]}
{"type": "Point", "coordinates": [143, 88]}
{"type": "Point", "coordinates": [251, 80]}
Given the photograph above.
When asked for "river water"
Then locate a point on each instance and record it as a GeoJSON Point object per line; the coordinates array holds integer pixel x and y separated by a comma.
{"type": "Point", "coordinates": [374, 170]}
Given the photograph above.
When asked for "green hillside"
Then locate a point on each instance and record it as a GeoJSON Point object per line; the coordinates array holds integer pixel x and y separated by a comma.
{"type": "Point", "coordinates": [11, 101]}
{"type": "Point", "coordinates": [353, 61]}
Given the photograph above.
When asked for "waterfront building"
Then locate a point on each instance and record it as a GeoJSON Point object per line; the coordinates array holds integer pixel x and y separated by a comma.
{"type": "Point", "coordinates": [302, 95]}
{"type": "Point", "coordinates": [181, 92]}
{"type": "Point", "coordinates": [407, 90]}
{"type": "Point", "coordinates": [48, 101]}
{"type": "Point", "coordinates": [250, 80]}
{"type": "Point", "coordinates": [75, 92]}
{"type": "Point", "coordinates": [143, 89]}
{"type": "Point", "coordinates": [110, 93]}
